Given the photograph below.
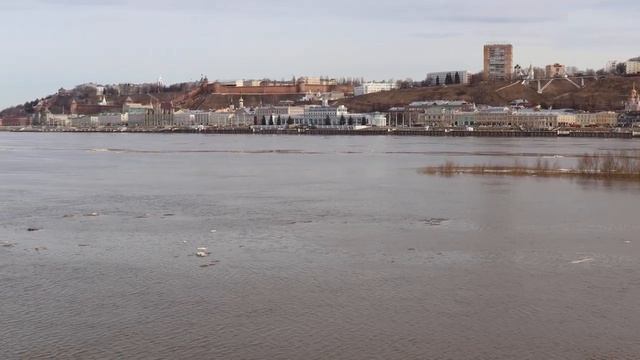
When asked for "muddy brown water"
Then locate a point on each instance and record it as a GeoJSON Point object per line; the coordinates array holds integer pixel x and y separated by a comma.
{"type": "Point", "coordinates": [320, 248]}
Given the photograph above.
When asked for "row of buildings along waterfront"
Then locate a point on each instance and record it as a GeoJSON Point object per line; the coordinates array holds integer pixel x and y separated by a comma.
{"type": "Point", "coordinates": [158, 115]}
{"type": "Point", "coordinates": [436, 114]}
{"type": "Point", "coordinates": [453, 114]}
{"type": "Point", "coordinates": [439, 113]}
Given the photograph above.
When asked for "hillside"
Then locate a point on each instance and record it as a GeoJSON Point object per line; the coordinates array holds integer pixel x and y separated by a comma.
{"type": "Point", "coordinates": [603, 94]}
{"type": "Point", "coordinates": [61, 103]}
{"type": "Point", "coordinates": [208, 101]}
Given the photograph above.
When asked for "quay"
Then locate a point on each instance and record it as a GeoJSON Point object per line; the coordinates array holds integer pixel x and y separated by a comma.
{"type": "Point", "coordinates": [422, 132]}
{"type": "Point", "coordinates": [374, 131]}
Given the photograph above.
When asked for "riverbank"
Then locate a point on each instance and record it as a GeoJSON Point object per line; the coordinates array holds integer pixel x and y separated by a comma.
{"type": "Point", "coordinates": [372, 131]}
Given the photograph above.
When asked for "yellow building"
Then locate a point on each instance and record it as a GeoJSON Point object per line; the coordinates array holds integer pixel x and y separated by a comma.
{"type": "Point", "coordinates": [600, 119]}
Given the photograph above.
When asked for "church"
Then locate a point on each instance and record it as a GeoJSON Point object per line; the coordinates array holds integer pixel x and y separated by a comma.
{"type": "Point", "coordinates": [633, 104]}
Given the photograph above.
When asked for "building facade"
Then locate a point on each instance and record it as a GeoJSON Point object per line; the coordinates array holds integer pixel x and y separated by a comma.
{"type": "Point", "coordinates": [498, 62]}
{"type": "Point", "coordinates": [525, 119]}
{"type": "Point", "coordinates": [599, 119]}
{"type": "Point", "coordinates": [556, 70]}
{"type": "Point", "coordinates": [633, 66]}
{"type": "Point", "coordinates": [109, 120]}
{"type": "Point", "coordinates": [449, 77]}
{"type": "Point", "coordinates": [633, 104]}
{"type": "Point", "coordinates": [324, 114]}
{"type": "Point", "coordinates": [269, 112]}
{"type": "Point", "coordinates": [373, 87]}
{"type": "Point", "coordinates": [82, 122]}
{"type": "Point", "coordinates": [15, 121]}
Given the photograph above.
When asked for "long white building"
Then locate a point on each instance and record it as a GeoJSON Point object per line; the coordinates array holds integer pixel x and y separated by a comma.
{"type": "Point", "coordinates": [456, 77]}
{"type": "Point", "coordinates": [373, 87]}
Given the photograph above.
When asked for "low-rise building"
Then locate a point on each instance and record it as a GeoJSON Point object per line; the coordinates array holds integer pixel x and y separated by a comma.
{"type": "Point", "coordinates": [633, 103]}
{"type": "Point", "coordinates": [373, 87]}
{"type": "Point", "coordinates": [109, 120]}
{"type": "Point", "coordinates": [183, 119]}
{"type": "Point", "coordinates": [56, 120]}
{"type": "Point", "coordinates": [130, 107]}
{"type": "Point", "coordinates": [599, 119]}
{"type": "Point", "coordinates": [436, 106]}
{"type": "Point", "coordinates": [136, 120]}
{"type": "Point", "coordinates": [449, 77]}
{"type": "Point", "coordinates": [158, 120]}
{"type": "Point", "coordinates": [633, 66]}
{"type": "Point", "coordinates": [220, 118]}
{"type": "Point", "coordinates": [438, 113]}
{"type": "Point", "coordinates": [464, 118]}
{"type": "Point", "coordinates": [525, 119]}
{"type": "Point", "coordinates": [556, 70]}
{"type": "Point", "coordinates": [248, 83]}
{"type": "Point", "coordinates": [244, 117]}
{"type": "Point", "coordinates": [497, 117]}
{"type": "Point", "coordinates": [15, 121]}
{"type": "Point", "coordinates": [376, 119]}
{"type": "Point", "coordinates": [82, 122]}
{"type": "Point", "coordinates": [275, 111]}
{"type": "Point", "coordinates": [629, 119]}
{"type": "Point", "coordinates": [315, 80]}
{"type": "Point", "coordinates": [324, 114]}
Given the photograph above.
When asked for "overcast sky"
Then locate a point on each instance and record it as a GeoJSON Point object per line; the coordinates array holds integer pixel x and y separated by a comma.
{"type": "Point", "coordinates": [48, 44]}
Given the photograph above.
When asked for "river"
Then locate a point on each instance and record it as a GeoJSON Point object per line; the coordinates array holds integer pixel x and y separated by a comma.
{"type": "Point", "coordinates": [320, 248]}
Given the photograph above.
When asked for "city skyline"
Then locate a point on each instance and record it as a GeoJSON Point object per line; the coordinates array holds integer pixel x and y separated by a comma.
{"type": "Point", "coordinates": [62, 43]}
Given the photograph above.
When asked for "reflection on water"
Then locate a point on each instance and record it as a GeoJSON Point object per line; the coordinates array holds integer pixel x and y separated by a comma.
{"type": "Point", "coordinates": [320, 247]}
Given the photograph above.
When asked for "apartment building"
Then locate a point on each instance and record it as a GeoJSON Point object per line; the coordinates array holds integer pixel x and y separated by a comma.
{"type": "Point", "coordinates": [498, 62]}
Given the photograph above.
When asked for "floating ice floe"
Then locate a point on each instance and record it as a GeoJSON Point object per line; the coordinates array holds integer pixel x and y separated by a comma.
{"type": "Point", "coordinates": [582, 261]}
{"type": "Point", "coordinates": [202, 252]}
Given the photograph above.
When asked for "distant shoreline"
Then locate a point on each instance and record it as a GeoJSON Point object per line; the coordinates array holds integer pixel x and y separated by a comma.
{"type": "Point", "coordinates": [598, 166]}
{"type": "Point", "coordinates": [599, 133]}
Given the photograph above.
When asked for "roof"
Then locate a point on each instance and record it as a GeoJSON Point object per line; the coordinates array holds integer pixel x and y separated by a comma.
{"type": "Point", "coordinates": [439, 103]}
